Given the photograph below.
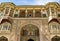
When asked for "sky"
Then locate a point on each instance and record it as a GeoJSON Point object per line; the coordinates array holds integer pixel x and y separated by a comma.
{"type": "Point", "coordinates": [30, 2]}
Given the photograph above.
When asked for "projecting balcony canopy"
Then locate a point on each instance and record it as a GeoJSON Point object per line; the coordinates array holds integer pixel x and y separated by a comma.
{"type": "Point", "coordinates": [5, 20]}
{"type": "Point", "coordinates": [53, 20]}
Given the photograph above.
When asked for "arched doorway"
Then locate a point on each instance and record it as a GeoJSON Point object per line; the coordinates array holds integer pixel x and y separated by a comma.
{"type": "Point", "coordinates": [55, 38]}
{"type": "Point", "coordinates": [29, 31]}
{"type": "Point", "coordinates": [30, 40]}
{"type": "Point", "coordinates": [3, 38]}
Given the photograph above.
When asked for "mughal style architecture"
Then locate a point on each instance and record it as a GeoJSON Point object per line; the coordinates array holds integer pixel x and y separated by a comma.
{"type": "Point", "coordinates": [30, 22]}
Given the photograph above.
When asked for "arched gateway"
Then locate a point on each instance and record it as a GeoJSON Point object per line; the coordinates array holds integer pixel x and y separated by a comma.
{"type": "Point", "coordinates": [3, 38]}
{"type": "Point", "coordinates": [55, 38]}
{"type": "Point", "coordinates": [29, 33]}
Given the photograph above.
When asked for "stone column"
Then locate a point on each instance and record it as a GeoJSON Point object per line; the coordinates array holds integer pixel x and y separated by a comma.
{"type": "Point", "coordinates": [18, 13]}
{"type": "Point", "coordinates": [33, 13]}
{"type": "Point", "coordinates": [26, 12]}
{"type": "Point", "coordinates": [13, 13]}
{"type": "Point", "coordinates": [50, 16]}
{"type": "Point", "coordinates": [55, 15]}
{"type": "Point", "coordinates": [9, 11]}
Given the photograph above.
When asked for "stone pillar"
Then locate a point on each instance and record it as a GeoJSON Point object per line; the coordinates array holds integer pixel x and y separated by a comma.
{"type": "Point", "coordinates": [16, 26]}
{"type": "Point", "coordinates": [9, 11]}
{"type": "Point", "coordinates": [33, 13]}
{"type": "Point", "coordinates": [50, 16]}
{"type": "Point", "coordinates": [55, 15]}
{"type": "Point", "coordinates": [18, 13]}
{"type": "Point", "coordinates": [13, 13]}
{"type": "Point", "coordinates": [26, 12]}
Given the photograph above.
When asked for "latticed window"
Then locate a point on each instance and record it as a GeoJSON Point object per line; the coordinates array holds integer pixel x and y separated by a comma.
{"type": "Point", "coordinates": [55, 28]}
{"type": "Point", "coordinates": [44, 15]}
{"type": "Point", "coordinates": [36, 33]}
{"type": "Point", "coordinates": [58, 14]}
{"type": "Point", "coordinates": [24, 32]}
{"type": "Point", "coordinates": [15, 15]}
{"type": "Point", "coordinates": [5, 26]}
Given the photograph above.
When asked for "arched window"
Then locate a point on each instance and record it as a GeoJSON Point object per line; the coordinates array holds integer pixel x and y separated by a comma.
{"type": "Point", "coordinates": [3, 38]}
{"type": "Point", "coordinates": [36, 32]}
{"type": "Point", "coordinates": [5, 26]}
{"type": "Point", "coordinates": [24, 32]}
{"type": "Point", "coordinates": [54, 28]}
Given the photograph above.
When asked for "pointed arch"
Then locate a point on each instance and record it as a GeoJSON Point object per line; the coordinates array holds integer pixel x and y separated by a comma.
{"type": "Point", "coordinates": [55, 38]}
{"type": "Point", "coordinates": [3, 38]}
{"type": "Point", "coordinates": [5, 25]}
{"type": "Point", "coordinates": [29, 31]}
{"type": "Point", "coordinates": [53, 20]}
{"type": "Point", "coordinates": [5, 20]}
{"type": "Point", "coordinates": [25, 29]}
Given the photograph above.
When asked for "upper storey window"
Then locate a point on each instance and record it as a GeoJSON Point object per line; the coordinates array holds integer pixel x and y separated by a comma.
{"type": "Point", "coordinates": [58, 14]}
{"type": "Point", "coordinates": [6, 10]}
{"type": "Point", "coordinates": [1, 13]}
{"type": "Point", "coordinates": [52, 10]}
{"type": "Point", "coordinates": [37, 13]}
{"type": "Point", "coordinates": [44, 15]}
{"type": "Point", "coordinates": [16, 13]}
{"type": "Point", "coordinates": [11, 12]}
{"type": "Point", "coordinates": [22, 13]}
{"type": "Point", "coordinates": [29, 13]}
{"type": "Point", "coordinates": [5, 26]}
{"type": "Point", "coordinates": [54, 27]}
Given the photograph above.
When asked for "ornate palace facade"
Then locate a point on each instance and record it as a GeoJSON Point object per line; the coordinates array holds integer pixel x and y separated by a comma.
{"type": "Point", "coordinates": [30, 22]}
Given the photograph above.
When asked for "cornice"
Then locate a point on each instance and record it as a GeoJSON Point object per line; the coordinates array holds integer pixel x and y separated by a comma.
{"type": "Point", "coordinates": [29, 6]}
